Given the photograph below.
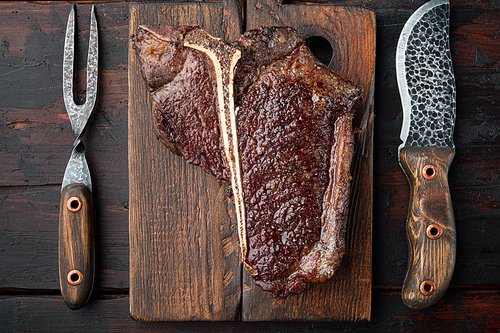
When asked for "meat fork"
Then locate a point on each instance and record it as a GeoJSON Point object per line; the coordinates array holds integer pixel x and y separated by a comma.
{"type": "Point", "coordinates": [76, 228]}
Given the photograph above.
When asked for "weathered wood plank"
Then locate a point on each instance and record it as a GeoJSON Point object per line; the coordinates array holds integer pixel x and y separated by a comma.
{"type": "Point", "coordinates": [351, 34]}
{"type": "Point", "coordinates": [458, 311]}
{"type": "Point", "coordinates": [184, 254]}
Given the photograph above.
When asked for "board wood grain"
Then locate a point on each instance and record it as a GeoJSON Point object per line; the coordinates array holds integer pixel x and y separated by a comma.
{"type": "Point", "coordinates": [184, 261]}
{"type": "Point", "coordinates": [351, 33]}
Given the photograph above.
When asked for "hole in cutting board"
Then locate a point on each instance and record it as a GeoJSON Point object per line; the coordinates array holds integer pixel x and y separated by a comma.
{"type": "Point", "coordinates": [321, 48]}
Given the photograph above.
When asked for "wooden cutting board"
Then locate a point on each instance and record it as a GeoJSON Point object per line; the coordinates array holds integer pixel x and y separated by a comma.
{"type": "Point", "coordinates": [184, 252]}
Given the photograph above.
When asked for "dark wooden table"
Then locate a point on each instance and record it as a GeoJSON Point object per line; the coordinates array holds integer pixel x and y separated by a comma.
{"type": "Point", "coordinates": [36, 138]}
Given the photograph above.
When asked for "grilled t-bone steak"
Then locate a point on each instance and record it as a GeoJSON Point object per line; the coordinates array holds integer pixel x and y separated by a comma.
{"type": "Point", "coordinates": [286, 149]}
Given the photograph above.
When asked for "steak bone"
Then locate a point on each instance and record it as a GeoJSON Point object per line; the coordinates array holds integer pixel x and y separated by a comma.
{"type": "Point", "coordinates": [224, 58]}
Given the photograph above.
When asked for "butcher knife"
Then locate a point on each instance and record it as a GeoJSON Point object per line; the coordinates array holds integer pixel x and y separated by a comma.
{"type": "Point", "coordinates": [427, 88]}
{"type": "Point", "coordinates": [76, 229]}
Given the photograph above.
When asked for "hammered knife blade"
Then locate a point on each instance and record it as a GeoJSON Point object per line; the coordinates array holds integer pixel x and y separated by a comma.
{"type": "Point", "coordinates": [427, 88]}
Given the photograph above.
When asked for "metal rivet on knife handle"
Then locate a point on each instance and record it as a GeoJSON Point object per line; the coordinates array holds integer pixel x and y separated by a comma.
{"type": "Point", "coordinates": [74, 204]}
{"type": "Point", "coordinates": [434, 231]}
{"type": "Point", "coordinates": [75, 277]}
{"type": "Point", "coordinates": [427, 288]}
{"type": "Point", "coordinates": [429, 171]}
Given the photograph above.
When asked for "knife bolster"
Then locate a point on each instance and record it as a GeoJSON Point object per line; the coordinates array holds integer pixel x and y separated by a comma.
{"type": "Point", "coordinates": [430, 225]}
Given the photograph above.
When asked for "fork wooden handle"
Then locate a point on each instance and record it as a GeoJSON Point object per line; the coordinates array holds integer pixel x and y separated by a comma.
{"type": "Point", "coordinates": [76, 245]}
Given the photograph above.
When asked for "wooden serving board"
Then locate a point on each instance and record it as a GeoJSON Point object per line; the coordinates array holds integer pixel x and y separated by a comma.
{"type": "Point", "coordinates": [184, 252]}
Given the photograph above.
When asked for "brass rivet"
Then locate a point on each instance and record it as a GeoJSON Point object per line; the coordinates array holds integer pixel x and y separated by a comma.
{"type": "Point", "coordinates": [75, 277]}
{"type": "Point", "coordinates": [427, 287]}
{"type": "Point", "coordinates": [434, 231]}
{"type": "Point", "coordinates": [74, 204]}
{"type": "Point", "coordinates": [429, 172]}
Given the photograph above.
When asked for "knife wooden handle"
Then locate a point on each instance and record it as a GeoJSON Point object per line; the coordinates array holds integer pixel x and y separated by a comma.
{"type": "Point", "coordinates": [430, 225]}
{"type": "Point", "coordinates": [76, 245]}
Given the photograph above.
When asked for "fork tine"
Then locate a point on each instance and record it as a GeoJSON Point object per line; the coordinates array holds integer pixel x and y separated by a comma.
{"type": "Point", "coordinates": [79, 114]}
{"type": "Point", "coordinates": [92, 61]}
{"type": "Point", "coordinates": [69, 52]}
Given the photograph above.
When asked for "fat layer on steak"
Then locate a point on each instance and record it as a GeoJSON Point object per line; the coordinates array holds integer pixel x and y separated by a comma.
{"type": "Point", "coordinates": [294, 141]}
